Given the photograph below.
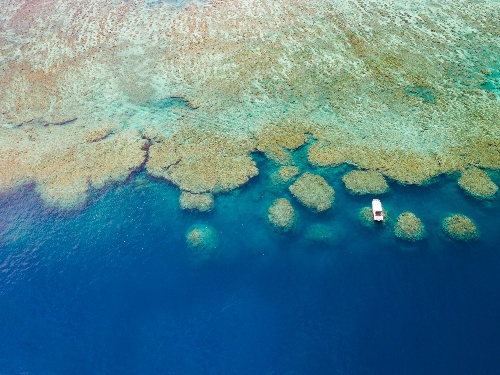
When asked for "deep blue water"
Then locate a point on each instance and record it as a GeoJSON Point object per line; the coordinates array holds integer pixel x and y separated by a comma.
{"type": "Point", "coordinates": [112, 289]}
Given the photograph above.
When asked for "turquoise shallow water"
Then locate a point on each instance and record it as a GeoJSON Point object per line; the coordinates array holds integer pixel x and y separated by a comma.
{"type": "Point", "coordinates": [113, 288]}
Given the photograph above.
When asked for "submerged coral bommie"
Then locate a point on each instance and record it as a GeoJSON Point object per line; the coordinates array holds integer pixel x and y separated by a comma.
{"type": "Point", "coordinates": [313, 192]}
{"type": "Point", "coordinates": [477, 183]}
{"type": "Point", "coordinates": [365, 217]}
{"type": "Point", "coordinates": [201, 202]}
{"type": "Point", "coordinates": [460, 227]}
{"type": "Point", "coordinates": [287, 173]}
{"type": "Point", "coordinates": [203, 240]}
{"type": "Point", "coordinates": [365, 182]}
{"type": "Point", "coordinates": [321, 234]}
{"type": "Point", "coordinates": [409, 227]}
{"type": "Point", "coordinates": [283, 176]}
{"type": "Point", "coordinates": [281, 214]}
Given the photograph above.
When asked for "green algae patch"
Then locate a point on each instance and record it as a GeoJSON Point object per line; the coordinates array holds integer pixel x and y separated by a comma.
{"type": "Point", "coordinates": [460, 227]}
{"type": "Point", "coordinates": [281, 214]}
{"type": "Point", "coordinates": [200, 202]}
{"type": "Point", "coordinates": [477, 183]}
{"type": "Point", "coordinates": [365, 182]}
{"type": "Point", "coordinates": [203, 241]}
{"type": "Point", "coordinates": [409, 227]}
{"type": "Point", "coordinates": [313, 192]}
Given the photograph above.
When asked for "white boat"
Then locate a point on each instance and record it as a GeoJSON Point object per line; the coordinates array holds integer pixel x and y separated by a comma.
{"type": "Point", "coordinates": [378, 214]}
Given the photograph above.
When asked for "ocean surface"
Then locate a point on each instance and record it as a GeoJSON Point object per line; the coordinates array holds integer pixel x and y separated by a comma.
{"type": "Point", "coordinates": [110, 109]}
{"type": "Point", "coordinates": [114, 289]}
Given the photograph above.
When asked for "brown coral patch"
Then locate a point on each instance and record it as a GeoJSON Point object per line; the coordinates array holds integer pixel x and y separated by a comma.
{"type": "Point", "coordinates": [365, 217]}
{"type": "Point", "coordinates": [313, 192]}
{"type": "Point", "coordinates": [275, 140]}
{"type": "Point", "coordinates": [477, 183]}
{"type": "Point", "coordinates": [365, 182]}
{"type": "Point", "coordinates": [281, 214]}
{"type": "Point", "coordinates": [409, 227]}
{"type": "Point", "coordinates": [202, 162]}
{"type": "Point", "coordinates": [203, 241]}
{"type": "Point", "coordinates": [99, 133]}
{"type": "Point", "coordinates": [284, 175]}
{"type": "Point", "coordinates": [287, 173]}
{"type": "Point", "coordinates": [200, 202]}
{"type": "Point", "coordinates": [63, 165]}
{"type": "Point", "coordinates": [460, 227]}
{"type": "Point", "coordinates": [324, 155]}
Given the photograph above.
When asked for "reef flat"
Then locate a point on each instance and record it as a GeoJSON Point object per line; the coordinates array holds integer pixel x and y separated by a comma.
{"type": "Point", "coordinates": [92, 91]}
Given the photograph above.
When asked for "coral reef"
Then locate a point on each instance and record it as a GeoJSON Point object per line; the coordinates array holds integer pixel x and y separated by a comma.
{"type": "Point", "coordinates": [365, 182]}
{"type": "Point", "coordinates": [201, 202]}
{"type": "Point", "coordinates": [284, 175]}
{"type": "Point", "coordinates": [313, 192]}
{"type": "Point", "coordinates": [201, 163]}
{"type": "Point", "coordinates": [409, 227]}
{"type": "Point", "coordinates": [98, 134]}
{"type": "Point", "coordinates": [288, 173]}
{"type": "Point", "coordinates": [477, 183]}
{"type": "Point", "coordinates": [203, 240]}
{"type": "Point", "coordinates": [365, 217]}
{"type": "Point", "coordinates": [407, 167]}
{"type": "Point", "coordinates": [395, 98]}
{"type": "Point", "coordinates": [460, 227]}
{"type": "Point", "coordinates": [281, 214]}
{"type": "Point", "coordinates": [63, 165]}
{"type": "Point", "coordinates": [320, 233]}
{"type": "Point", "coordinates": [275, 140]}
{"type": "Point", "coordinates": [324, 155]}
